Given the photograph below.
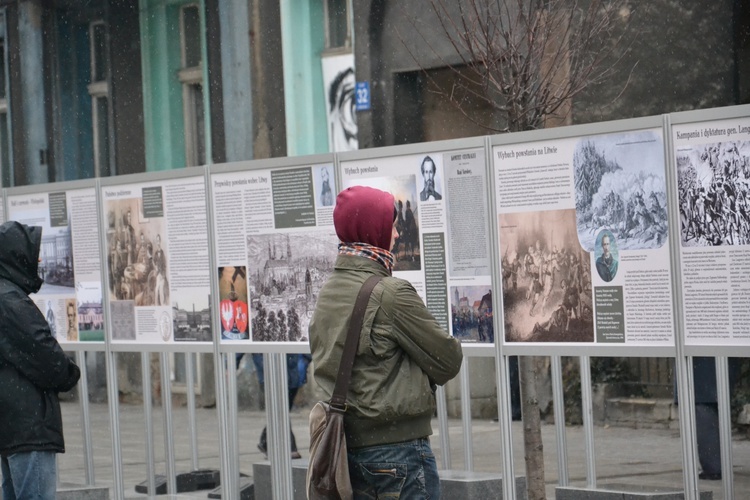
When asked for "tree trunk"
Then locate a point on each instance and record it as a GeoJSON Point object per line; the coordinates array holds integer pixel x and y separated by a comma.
{"type": "Point", "coordinates": [529, 367]}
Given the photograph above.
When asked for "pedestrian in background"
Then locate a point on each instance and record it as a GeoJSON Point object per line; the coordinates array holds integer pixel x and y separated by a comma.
{"type": "Point", "coordinates": [296, 377]}
{"type": "Point", "coordinates": [707, 414]}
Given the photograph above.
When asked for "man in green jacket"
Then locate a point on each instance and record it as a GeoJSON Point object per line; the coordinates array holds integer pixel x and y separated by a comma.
{"type": "Point", "coordinates": [403, 354]}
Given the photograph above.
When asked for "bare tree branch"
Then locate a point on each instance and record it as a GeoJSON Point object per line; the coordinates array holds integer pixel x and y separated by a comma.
{"type": "Point", "coordinates": [526, 60]}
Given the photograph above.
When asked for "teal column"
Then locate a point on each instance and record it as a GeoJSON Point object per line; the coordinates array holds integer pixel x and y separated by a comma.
{"type": "Point", "coordinates": [302, 28]}
{"type": "Point", "coordinates": [164, 122]}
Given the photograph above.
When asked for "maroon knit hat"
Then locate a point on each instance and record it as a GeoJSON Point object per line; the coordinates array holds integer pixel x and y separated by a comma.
{"type": "Point", "coordinates": [364, 215]}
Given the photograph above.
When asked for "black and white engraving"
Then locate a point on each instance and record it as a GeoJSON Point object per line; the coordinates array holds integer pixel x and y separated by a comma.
{"type": "Point", "coordinates": [713, 182]}
{"type": "Point", "coordinates": [620, 185]}
{"type": "Point", "coordinates": [285, 273]}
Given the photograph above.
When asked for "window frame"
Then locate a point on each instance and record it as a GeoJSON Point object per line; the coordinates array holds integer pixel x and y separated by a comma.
{"type": "Point", "coordinates": [6, 121]}
{"type": "Point", "coordinates": [347, 47]}
{"type": "Point", "coordinates": [99, 89]}
{"type": "Point", "coordinates": [191, 79]}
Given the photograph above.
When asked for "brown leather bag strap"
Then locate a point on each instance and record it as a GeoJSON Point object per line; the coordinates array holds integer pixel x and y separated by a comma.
{"type": "Point", "coordinates": [338, 400]}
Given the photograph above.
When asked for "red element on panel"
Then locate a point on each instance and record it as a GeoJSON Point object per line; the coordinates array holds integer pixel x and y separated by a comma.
{"type": "Point", "coordinates": [227, 314]}
{"type": "Point", "coordinates": [240, 316]}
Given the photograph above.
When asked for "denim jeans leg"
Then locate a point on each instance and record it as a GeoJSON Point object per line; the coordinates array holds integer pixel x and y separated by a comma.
{"type": "Point", "coordinates": [31, 475]}
{"type": "Point", "coordinates": [401, 470]}
{"type": "Point", "coordinates": [8, 492]}
{"type": "Point", "coordinates": [429, 463]}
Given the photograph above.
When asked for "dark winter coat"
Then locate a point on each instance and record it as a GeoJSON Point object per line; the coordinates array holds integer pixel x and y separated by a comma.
{"type": "Point", "coordinates": [704, 378]}
{"type": "Point", "coordinates": [33, 367]}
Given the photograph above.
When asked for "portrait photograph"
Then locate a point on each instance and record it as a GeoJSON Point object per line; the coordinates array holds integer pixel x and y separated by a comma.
{"type": "Point", "coordinates": [430, 179]}
{"type": "Point", "coordinates": [324, 186]}
{"type": "Point", "coordinates": [607, 255]}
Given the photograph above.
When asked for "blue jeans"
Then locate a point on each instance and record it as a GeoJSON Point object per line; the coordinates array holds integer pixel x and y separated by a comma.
{"type": "Point", "coordinates": [29, 476]}
{"type": "Point", "coordinates": [400, 470]}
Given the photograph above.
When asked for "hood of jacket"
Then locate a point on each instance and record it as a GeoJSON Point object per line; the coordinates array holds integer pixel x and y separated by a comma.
{"type": "Point", "coordinates": [19, 255]}
{"type": "Point", "coordinates": [364, 215]}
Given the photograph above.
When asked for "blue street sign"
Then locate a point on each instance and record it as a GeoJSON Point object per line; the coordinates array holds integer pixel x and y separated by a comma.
{"type": "Point", "coordinates": [363, 96]}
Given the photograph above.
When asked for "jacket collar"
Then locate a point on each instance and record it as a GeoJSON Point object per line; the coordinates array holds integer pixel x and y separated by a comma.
{"type": "Point", "coordinates": [361, 264]}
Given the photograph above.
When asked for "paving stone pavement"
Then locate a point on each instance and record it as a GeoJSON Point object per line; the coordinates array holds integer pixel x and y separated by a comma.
{"type": "Point", "coordinates": [624, 456]}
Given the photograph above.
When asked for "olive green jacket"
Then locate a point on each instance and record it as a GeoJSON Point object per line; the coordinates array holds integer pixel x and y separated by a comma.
{"type": "Point", "coordinates": [402, 353]}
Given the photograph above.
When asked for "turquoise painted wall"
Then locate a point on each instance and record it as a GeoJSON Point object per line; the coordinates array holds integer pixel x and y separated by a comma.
{"type": "Point", "coordinates": [164, 123]}
{"type": "Point", "coordinates": [303, 41]}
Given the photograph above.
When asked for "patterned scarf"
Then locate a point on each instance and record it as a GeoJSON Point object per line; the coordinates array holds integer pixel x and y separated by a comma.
{"type": "Point", "coordinates": [379, 255]}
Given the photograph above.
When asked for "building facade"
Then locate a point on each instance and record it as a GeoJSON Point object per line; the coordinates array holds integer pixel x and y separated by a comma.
{"type": "Point", "coordinates": [110, 87]}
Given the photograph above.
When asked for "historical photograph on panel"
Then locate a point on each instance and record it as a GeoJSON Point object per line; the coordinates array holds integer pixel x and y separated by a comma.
{"type": "Point", "coordinates": [285, 273]}
{"type": "Point", "coordinates": [471, 313]}
{"type": "Point", "coordinates": [607, 255]}
{"type": "Point", "coordinates": [406, 249]}
{"type": "Point", "coordinates": [191, 316]}
{"type": "Point", "coordinates": [233, 305]}
{"type": "Point", "coordinates": [324, 186]}
{"type": "Point", "coordinates": [713, 182]}
{"type": "Point", "coordinates": [90, 314]}
{"type": "Point", "coordinates": [71, 320]}
{"type": "Point", "coordinates": [431, 182]}
{"type": "Point", "coordinates": [136, 255]}
{"type": "Point", "coordinates": [49, 314]}
{"type": "Point", "coordinates": [56, 265]}
{"type": "Point", "coordinates": [546, 278]}
{"type": "Point", "coordinates": [620, 185]}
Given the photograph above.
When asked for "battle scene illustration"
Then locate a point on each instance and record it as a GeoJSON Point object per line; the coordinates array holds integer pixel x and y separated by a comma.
{"type": "Point", "coordinates": [471, 313]}
{"type": "Point", "coordinates": [713, 182]}
{"type": "Point", "coordinates": [285, 274]}
{"type": "Point", "coordinates": [406, 249]}
{"type": "Point", "coordinates": [620, 185]}
{"type": "Point", "coordinates": [546, 278]}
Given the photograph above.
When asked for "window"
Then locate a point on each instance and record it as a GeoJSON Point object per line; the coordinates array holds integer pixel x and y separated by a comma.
{"type": "Point", "coordinates": [5, 152]}
{"type": "Point", "coordinates": [338, 31]}
{"type": "Point", "coordinates": [99, 92]}
{"type": "Point", "coordinates": [191, 78]}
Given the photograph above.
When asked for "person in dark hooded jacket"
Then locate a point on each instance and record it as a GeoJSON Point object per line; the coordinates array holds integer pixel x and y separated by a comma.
{"type": "Point", "coordinates": [33, 369]}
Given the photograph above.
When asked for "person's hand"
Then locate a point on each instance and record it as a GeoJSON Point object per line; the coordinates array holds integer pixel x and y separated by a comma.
{"type": "Point", "coordinates": [71, 380]}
